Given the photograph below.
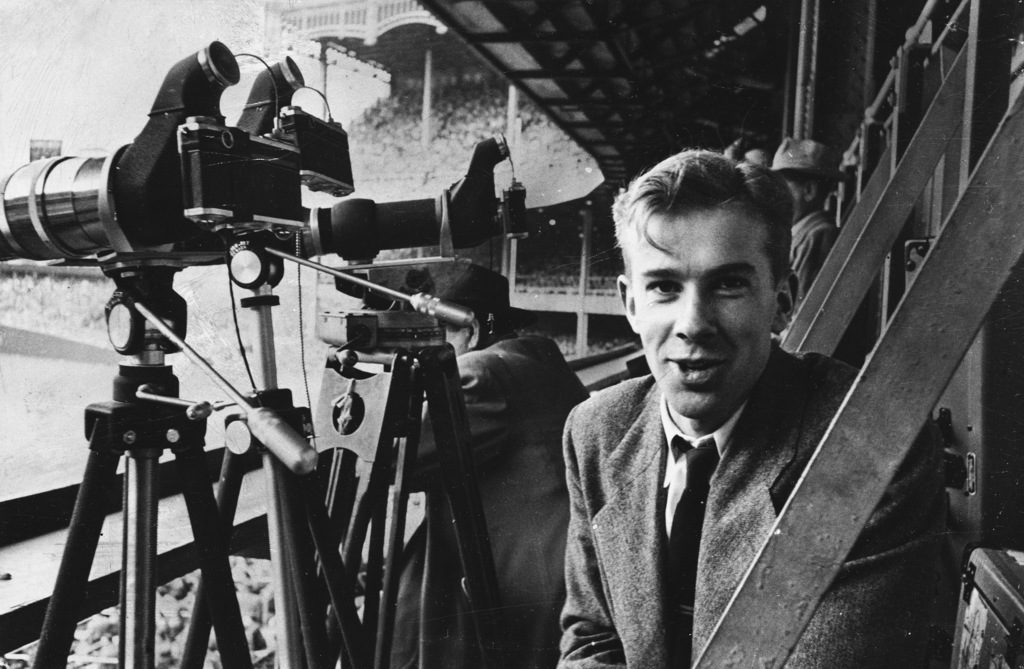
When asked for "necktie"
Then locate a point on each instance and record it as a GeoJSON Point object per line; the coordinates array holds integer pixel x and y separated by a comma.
{"type": "Point", "coordinates": [684, 542]}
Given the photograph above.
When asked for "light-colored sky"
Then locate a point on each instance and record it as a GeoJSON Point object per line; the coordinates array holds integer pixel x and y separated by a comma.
{"type": "Point", "coordinates": [86, 71]}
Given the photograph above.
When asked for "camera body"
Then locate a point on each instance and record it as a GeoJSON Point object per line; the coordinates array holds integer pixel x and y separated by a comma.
{"type": "Point", "coordinates": [232, 179]}
{"type": "Point", "coordinates": [369, 330]}
{"type": "Point", "coordinates": [325, 165]}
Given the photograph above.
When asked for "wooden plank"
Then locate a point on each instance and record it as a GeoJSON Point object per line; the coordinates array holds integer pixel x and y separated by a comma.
{"type": "Point", "coordinates": [926, 338]}
{"type": "Point", "coordinates": [847, 273]}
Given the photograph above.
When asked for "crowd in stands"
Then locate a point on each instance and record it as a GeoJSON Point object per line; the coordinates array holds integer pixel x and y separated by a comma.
{"type": "Point", "coordinates": [390, 161]}
{"type": "Point", "coordinates": [550, 258]}
{"type": "Point", "coordinates": [56, 305]}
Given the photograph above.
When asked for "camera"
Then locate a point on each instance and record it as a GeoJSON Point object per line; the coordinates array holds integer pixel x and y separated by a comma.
{"type": "Point", "coordinates": [185, 175]}
{"type": "Point", "coordinates": [189, 184]}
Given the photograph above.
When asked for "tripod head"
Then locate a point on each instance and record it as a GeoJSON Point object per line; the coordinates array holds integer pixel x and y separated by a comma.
{"type": "Point", "coordinates": [149, 281]}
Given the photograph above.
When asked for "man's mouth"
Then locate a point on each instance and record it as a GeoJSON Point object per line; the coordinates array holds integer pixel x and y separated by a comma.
{"type": "Point", "coordinates": [698, 370]}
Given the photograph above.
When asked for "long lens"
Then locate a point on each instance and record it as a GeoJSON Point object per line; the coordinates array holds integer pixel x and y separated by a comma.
{"type": "Point", "coordinates": [68, 207]}
{"type": "Point", "coordinates": [53, 208]}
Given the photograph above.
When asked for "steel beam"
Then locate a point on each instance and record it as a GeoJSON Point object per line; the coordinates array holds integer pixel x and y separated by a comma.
{"type": "Point", "coordinates": [874, 225]}
{"type": "Point", "coordinates": [928, 335]}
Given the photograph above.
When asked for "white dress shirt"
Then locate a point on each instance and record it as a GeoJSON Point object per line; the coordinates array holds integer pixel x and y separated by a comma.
{"type": "Point", "coordinates": [675, 470]}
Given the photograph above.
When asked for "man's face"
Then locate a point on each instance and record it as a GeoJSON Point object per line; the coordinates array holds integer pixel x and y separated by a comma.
{"type": "Point", "coordinates": [803, 192]}
{"type": "Point", "coordinates": [705, 309]}
{"type": "Point", "coordinates": [461, 339]}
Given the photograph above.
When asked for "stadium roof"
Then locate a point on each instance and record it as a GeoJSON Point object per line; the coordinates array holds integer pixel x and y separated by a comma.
{"type": "Point", "coordinates": [633, 80]}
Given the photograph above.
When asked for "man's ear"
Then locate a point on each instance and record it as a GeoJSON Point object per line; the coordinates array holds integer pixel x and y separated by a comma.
{"type": "Point", "coordinates": [812, 190]}
{"type": "Point", "coordinates": [628, 300]}
{"type": "Point", "coordinates": [785, 301]}
{"type": "Point", "coordinates": [474, 334]}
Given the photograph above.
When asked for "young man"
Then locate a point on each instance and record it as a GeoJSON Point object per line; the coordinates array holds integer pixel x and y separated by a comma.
{"type": "Point", "coordinates": [518, 392]}
{"type": "Point", "coordinates": [810, 169]}
{"type": "Point", "coordinates": [705, 242]}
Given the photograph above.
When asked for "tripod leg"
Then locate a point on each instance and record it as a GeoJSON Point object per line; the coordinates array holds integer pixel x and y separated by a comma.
{"type": "Point", "coordinates": [339, 582]}
{"type": "Point", "coordinates": [451, 434]}
{"type": "Point", "coordinates": [374, 572]}
{"type": "Point", "coordinates": [231, 471]}
{"type": "Point", "coordinates": [63, 611]}
{"type": "Point", "coordinates": [286, 612]}
{"type": "Point", "coordinates": [406, 455]}
{"type": "Point", "coordinates": [304, 578]}
{"type": "Point", "coordinates": [138, 614]}
{"type": "Point", "coordinates": [221, 601]}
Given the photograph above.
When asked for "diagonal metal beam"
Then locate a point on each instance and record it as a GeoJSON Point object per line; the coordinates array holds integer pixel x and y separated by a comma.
{"type": "Point", "coordinates": [874, 224]}
{"type": "Point", "coordinates": [926, 338]}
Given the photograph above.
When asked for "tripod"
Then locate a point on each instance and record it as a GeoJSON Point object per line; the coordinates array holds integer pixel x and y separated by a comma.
{"type": "Point", "coordinates": [146, 320]}
{"type": "Point", "coordinates": [143, 429]}
{"type": "Point", "coordinates": [375, 421]}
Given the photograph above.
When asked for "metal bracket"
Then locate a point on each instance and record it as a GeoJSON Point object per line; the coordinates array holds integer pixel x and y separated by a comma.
{"type": "Point", "coordinates": [914, 253]}
{"type": "Point", "coordinates": [954, 464]}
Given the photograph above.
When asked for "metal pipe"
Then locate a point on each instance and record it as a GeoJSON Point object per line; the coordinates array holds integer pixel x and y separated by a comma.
{"type": "Point", "coordinates": [140, 521]}
{"type": "Point", "coordinates": [289, 654]}
{"type": "Point", "coordinates": [288, 627]}
{"type": "Point", "coordinates": [267, 355]}
{"type": "Point", "coordinates": [421, 302]}
{"type": "Point", "coordinates": [799, 105]}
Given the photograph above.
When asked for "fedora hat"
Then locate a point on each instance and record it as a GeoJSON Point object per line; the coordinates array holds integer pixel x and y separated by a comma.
{"type": "Point", "coordinates": [487, 293]}
{"type": "Point", "coordinates": [805, 156]}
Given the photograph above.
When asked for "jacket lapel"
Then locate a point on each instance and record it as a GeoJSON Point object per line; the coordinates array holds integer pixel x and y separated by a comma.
{"type": "Point", "coordinates": [757, 472]}
{"type": "Point", "coordinates": [628, 532]}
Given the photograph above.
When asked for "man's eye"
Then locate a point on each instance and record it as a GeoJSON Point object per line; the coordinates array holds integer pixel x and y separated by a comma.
{"type": "Point", "coordinates": [731, 283]}
{"type": "Point", "coordinates": [663, 287]}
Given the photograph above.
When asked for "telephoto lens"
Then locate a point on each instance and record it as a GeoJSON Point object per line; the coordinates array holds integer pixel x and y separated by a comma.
{"type": "Point", "coordinates": [52, 209]}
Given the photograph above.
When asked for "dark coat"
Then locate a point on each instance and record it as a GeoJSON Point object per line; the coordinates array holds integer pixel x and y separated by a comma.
{"type": "Point", "coordinates": [874, 614]}
{"type": "Point", "coordinates": [813, 237]}
{"type": "Point", "coordinates": [518, 394]}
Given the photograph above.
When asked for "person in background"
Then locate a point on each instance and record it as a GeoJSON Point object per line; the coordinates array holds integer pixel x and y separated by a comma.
{"type": "Point", "coordinates": [518, 391]}
{"type": "Point", "coordinates": [676, 478]}
{"type": "Point", "coordinates": [811, 170]}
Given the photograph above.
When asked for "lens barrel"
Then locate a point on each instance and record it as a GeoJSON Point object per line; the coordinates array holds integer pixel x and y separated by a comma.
{"type": "Point", "coordinates": [52, 208]}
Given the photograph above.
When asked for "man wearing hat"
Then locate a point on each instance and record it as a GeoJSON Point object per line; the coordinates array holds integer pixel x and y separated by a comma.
{"type": "Point", "coordinates": [518, 392]}
{"type": "Point", "coordinates": [810, 168]}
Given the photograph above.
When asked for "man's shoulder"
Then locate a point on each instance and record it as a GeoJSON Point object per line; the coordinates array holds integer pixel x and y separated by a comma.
{"type": "Point", "coordinates": [516, 352]}
{"type": "Point", "coordinates": [821, 379]}
{"type": "Point", "coordinates": [618, 405]}
{"type": "Point", "coordinates": [814, 225]}
{"type": "Point", "coordinates": [826, 371]}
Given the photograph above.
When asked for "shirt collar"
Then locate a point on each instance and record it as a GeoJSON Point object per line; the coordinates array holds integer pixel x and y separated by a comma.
{"type": "Point", "coordinates": [721, 435]}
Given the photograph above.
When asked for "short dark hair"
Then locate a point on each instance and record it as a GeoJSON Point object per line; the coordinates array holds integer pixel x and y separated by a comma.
{"type": "Point", "coordinates": [697, 180]}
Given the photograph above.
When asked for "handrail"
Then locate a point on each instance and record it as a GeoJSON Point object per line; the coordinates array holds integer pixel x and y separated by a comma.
{"type": "Point", "coordinates": [874, 224]}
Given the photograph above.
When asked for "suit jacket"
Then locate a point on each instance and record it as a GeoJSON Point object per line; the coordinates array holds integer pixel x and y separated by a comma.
{"type": "Point", "coordinates": [518, 393]}
{"type": "Point", "coordinates": [874, 614]}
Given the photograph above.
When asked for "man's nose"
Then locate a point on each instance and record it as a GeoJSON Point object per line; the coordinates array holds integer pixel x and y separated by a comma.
{"type": "Point", "coordinates": [694, 315]}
